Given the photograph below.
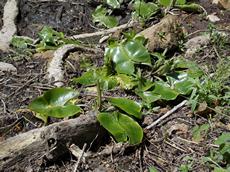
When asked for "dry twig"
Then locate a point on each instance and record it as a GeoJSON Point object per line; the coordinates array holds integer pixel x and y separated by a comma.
{"type": "Point", "coordinates": [167, 114]}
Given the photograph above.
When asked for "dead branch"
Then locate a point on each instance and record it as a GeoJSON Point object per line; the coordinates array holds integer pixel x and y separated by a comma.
{"type": "Point", "coordinates": [9, 28]}
{"type": "Point", "coordinates": [167, 114]}
{"type": "Point", "coordinates": [104, 32]}
{"type": "Point", "coordinates": [47, 143]}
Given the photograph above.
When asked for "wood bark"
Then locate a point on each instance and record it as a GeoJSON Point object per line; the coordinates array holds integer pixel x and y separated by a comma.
{"type": "Point", "coordinates": [29, 150]}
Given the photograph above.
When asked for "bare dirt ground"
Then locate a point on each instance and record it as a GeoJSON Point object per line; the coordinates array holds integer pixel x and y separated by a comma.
{"type": "Point", "coordinates": [165, 152]}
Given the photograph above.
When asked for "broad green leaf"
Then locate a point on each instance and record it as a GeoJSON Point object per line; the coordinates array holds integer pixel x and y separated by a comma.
{"type": "Point", "coordinates": [199, 132]}
{"type": "Point", "coordinates": [181, 82]}
{"type": "Point", "coordinates": [126, 67]}
{"type": "Point", "coordinates": [100, 15]}
{"type": "Point", "coordinates": [165, 3]}
{"type": "Point", "coordinates": [21, 42]}
{"type": "Point", "coordinates": [129, 106]}
{"type": "Point", "coordinates": [126, 54]}
{"type": "Point", "coordinates": [87, 78]}
{"type": "Point", "coordinates": [113, 3]}
{"type": "Point", "coordinates": [148, 96]}
{"type": "Point", "coordinates": [122, 127]}
{"type": "Point", "coordinates": [219, 169]}
{"type": "Point", "coordinates": [165, 91]}
{"type": "Point", "coordinates": [56, 103]}
{"type": "Point", "coordinates": [145, 10]}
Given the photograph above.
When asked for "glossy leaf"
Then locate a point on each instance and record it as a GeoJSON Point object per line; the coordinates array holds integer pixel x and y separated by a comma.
{"type": "Point", "coordinates": [129, 106]}
{"type": "Point", "coordinates": [126, 54]}
{"type": "Point", "coordinates": [165, 91]}
{"type": "Point", "coordinates": [100, 15]}
{"type": "Point", "coordinates": [145, 10]}
{"type": "Point", "coordinates": [56, 103]}
{"type": "Point", "coordinates": [91, 77]}
{"type": "Point", "coordinates": [113, 3]}
{"type": "Point", "coordinates": [148, 96]}
{"type": "Point", "coordinates": [122, 127]}
{"type": "Point", "coordinates": [181, 82]}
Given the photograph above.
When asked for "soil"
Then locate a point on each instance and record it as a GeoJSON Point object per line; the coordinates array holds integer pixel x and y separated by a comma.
{"type": "Point", "coordinates": [165, 147]}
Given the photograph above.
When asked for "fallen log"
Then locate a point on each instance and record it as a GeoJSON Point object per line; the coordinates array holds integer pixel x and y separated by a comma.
{"type": "Point", "coordinates": [29, 150]}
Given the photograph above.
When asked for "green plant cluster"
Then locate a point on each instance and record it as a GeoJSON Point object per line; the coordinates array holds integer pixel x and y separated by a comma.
{"type": "Point", "coordinates": [151, 77]}
{"type": "Point", "coordinates": [140, 9]}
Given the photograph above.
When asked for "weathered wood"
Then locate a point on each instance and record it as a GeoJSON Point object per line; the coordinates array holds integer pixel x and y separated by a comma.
{"type": "Point", "coordinates": [28, 150]}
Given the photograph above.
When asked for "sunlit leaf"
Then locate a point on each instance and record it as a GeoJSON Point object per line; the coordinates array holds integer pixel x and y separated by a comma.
{"type": "Point", "coordinates": [91, 77]}
{"type": "Point", "coordinates": [100, 15]}
{"type": "Point", "coordinates": [165, 91]}
{"type": "Point", "coordinates": [122, 127]}
{"type": "Point", "coordinates": [126, 54]}
{"type": "Point", "coordinates": [129, 106]}
{"type": "Point", "coordinates": [145, 10]}
{"type": "Point", "coordinates": [148, 96]}
{"type": "Point", "coordinates": [113, 3]}
{"type": "Point", "coordinates": [55, 103]}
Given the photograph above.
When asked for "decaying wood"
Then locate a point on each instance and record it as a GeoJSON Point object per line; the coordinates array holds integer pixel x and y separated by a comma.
{"type": "Point", "coordinates": [55, 71]}
{"type": "Point", "coordinates": [29, 150]}
{"type": "Point", "coordinates": [164, 34]}
{"type": "Point", "coordinates": [9, 28]}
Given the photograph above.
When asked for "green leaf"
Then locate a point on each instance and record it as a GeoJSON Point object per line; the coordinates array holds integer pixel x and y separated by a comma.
{"type": "Point", "coordinates": [145, 10]}
{"type": "Point", "coordinates": [181, 2]}
{"type": "Point", "coordinates": [165, 91]}
{"type": "Point", "coordinates": [126, 54]}
{"type": "Point", "coordinates": [148, 96]}
{"type": "Point", "coordinates": [223, 138]}
{"type": "Point", "coordinates": [199, 132]}
{"type": "Point", "coordinates": [113, 3]}
{"type": "Point", "coordinates": [126, 82]}
{"type": "Point", "coordinates": [152, 169]}
{"type": "Point", "coordinates": [21, 42]}
{"type": "Point", "coordinates": [165, 3]}
{"type": "Point", "coordinates": [219, 169]}
{"type": "Point", "coordinates": [129, 106]}
{"type": "Point", "coordinates": [181, 82]}
{"type": "Point", "coordinates": [56, 103]}
{"type": "Point", "coordinates": [190, 7]}
{"type": "Point", "coordinates": [126, 67]}
{"type": "Point", "coordinates": [122, 127]}
{"type": "Point", "coordinates": [100, 15]}
{"type": "Point", "coordinates": [91, 77]}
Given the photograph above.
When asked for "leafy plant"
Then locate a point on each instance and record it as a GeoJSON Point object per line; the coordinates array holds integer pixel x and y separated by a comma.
{"type": "Point", "coordinates": [57, 102]}
{"type": "Point", "coordinates": [145, 10]}
{"type": "Point", "coordinates": [121, 126]}
{"type": "Point", "coordinates": [126, 54]}
{"type": "Point", "coordinates": [129, 106]}
{"type": "Point", "coordinates": [51, 39]}
{"type": "Point", "coordinates": [219, 158]}
{"type": "Point", "coordinates": [100, 15]}
{"type": "Point", "coordinates": [21, 42]}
